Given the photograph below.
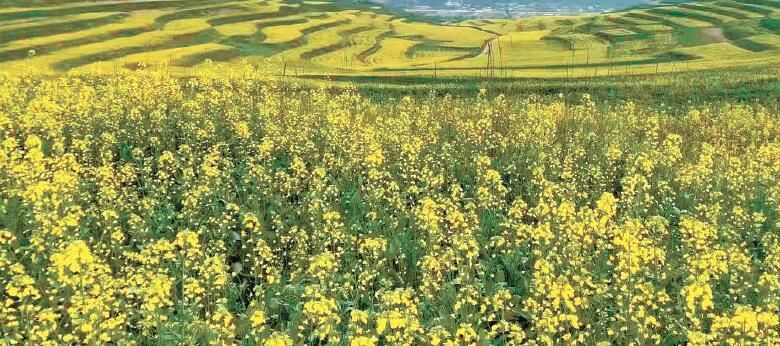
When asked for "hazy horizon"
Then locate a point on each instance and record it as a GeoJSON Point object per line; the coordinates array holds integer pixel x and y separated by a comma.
{"type": "Point", "coordinates": [507, 8]}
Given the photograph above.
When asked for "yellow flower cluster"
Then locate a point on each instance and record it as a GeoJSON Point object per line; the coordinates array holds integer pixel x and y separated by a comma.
{"type": "Point", "coordinates": [236, 209]}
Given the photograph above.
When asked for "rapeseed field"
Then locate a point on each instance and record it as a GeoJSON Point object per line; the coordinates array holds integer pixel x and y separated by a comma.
{"type": "Point", "coordinates": [233, 208]}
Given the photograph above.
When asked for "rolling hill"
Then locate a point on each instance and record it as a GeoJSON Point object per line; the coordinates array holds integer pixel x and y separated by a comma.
{"type": "Point", "coordinates": [351, 39]}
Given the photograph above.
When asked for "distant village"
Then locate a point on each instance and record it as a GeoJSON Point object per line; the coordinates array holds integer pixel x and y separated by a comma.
{"type": "Point", "coordinates": [462, 9]}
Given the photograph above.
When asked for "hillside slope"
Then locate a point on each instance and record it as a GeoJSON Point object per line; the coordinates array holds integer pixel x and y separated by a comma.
{"type": "Point", "coordinates": [335, 38]}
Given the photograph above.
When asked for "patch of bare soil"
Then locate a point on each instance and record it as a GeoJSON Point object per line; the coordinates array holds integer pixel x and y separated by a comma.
{"type": "Point", "coordinates": [714, 34]}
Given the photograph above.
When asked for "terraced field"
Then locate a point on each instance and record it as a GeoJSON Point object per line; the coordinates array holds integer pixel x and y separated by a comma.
{"type": "Point", "coordinates": [335, 38]}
